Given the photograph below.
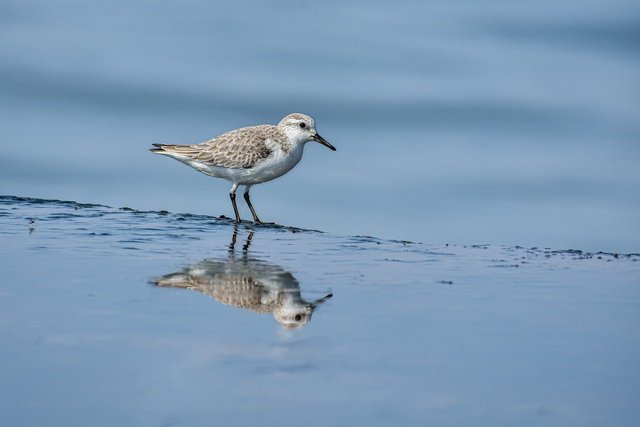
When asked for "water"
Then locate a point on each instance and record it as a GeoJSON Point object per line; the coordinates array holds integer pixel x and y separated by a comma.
{"type": "Point", "coordinates": [456, 122]}
{"type": "Point", "coordinates": [489, 148]}
{"type": "Point", "coordinates": [414, 333]}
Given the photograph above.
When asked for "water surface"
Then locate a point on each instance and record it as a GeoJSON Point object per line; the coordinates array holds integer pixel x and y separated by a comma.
{"type": "Point", "coordinates": [457, 122]}
{"type": "Point", "coordinates": [414, 333]}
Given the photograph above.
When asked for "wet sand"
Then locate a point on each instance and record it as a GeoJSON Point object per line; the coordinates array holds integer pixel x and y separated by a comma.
{"type": "Point", "coordinates": [115, 316]}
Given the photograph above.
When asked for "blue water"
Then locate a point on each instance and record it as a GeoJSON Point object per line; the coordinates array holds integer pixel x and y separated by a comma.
{"type": "Point", "coordinates": [455, 122]}
{"type": "Point", "coordinates": [414, 334]}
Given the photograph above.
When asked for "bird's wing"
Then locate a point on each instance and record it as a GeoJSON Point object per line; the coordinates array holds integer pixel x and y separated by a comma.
{"type": "Point", "coordinates": [241, 148]}
{"type": "Point", "coordinates": [230, 289]}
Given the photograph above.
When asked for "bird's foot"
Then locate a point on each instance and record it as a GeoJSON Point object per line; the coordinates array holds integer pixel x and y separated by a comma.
{"type": "Point", "coordinates": [233, 220]}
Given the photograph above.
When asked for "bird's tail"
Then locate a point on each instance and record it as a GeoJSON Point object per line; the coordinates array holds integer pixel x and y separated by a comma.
{"type": "Point", "coordinates": [160, 148]}
{"type": "Point", "coordinates": [177, 151]}
{"type": "Point", "coordinates": [173, 280]}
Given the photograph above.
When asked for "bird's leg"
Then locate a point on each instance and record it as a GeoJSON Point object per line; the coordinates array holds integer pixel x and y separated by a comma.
{"type": "Point", "coordinates": [232, 245]}
{"type": "Point", "coordinates": [247, 243]}
{"type": "Point", "coordinates": [232, 194]}
{"type": "Point", "coordinates": [248, 200]}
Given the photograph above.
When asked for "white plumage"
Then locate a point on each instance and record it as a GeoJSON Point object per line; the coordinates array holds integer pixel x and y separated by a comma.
{"type": "Point", "coordinates": [251, 155]}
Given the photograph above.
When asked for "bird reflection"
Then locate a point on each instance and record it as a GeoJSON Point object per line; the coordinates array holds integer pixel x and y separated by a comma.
{"type": "Point", "coordinates": [248, 283]}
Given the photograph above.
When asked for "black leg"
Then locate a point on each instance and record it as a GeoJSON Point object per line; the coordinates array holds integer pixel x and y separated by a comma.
{"type": "Point", "coordinates": [232, 245]}
{"type": "Point", "coordinates": [253, 211]}
{"type": "Point", "coordinates": [232, 194]}
{"type": "Point", "coordinates": [245, 248]}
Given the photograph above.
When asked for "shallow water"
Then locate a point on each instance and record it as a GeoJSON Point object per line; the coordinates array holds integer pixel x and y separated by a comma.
{"type": "Point", "coordinates": [414, 333]}
{"type": "Point", "coordinates": [456, 122]}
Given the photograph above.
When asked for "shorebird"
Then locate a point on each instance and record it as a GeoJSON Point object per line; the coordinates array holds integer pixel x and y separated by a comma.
{"type": "Point", "coordinates": [250, 155]}
{"type": "Point", "coordinates": [247, 283]}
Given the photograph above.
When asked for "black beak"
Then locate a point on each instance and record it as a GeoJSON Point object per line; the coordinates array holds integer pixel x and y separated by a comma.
{"type": "Point", "coordinates": [320, 301]}
{"type": "Point", "coordinates": [323, 141]}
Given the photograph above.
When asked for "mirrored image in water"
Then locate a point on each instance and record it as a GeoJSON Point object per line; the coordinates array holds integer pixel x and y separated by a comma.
{"type": "Point", "coordinates": [246, 282]}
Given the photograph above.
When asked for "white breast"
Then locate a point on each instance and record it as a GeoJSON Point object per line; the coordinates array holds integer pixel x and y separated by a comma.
{"type": "Point", "coordinates": [274, 166]}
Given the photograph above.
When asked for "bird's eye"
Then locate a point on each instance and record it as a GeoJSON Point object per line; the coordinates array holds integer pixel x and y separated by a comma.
{"type": "Point", "coordinates": [298, 317]}
{"type": "Point", "coordinates": [303, 125]}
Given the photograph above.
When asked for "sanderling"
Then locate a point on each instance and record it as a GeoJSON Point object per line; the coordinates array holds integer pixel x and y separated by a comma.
{"type": "Point", "coordinates": [251, 155]}
{"type": "Point", "coordinates": [248, 283]}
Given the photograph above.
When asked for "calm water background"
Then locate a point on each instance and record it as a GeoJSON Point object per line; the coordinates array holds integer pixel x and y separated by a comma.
{"type": "Point", "coordinates": [414, 335]}
{"type": "Point", "coordinates": [463, 121]}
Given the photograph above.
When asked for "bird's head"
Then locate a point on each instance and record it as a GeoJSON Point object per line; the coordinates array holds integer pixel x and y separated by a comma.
{"type": "Point", "coordinates": [302, 128]}
{"type": "Point", "coordinates": [293, 316]}
{"type": "Point", "coordinates": [293, 312]}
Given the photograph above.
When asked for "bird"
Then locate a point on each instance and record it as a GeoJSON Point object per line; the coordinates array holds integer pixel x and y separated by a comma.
{"type": "Point", "coordinates": [250, 155]}
{"type": "Point", "coordinates": [248, 283]}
